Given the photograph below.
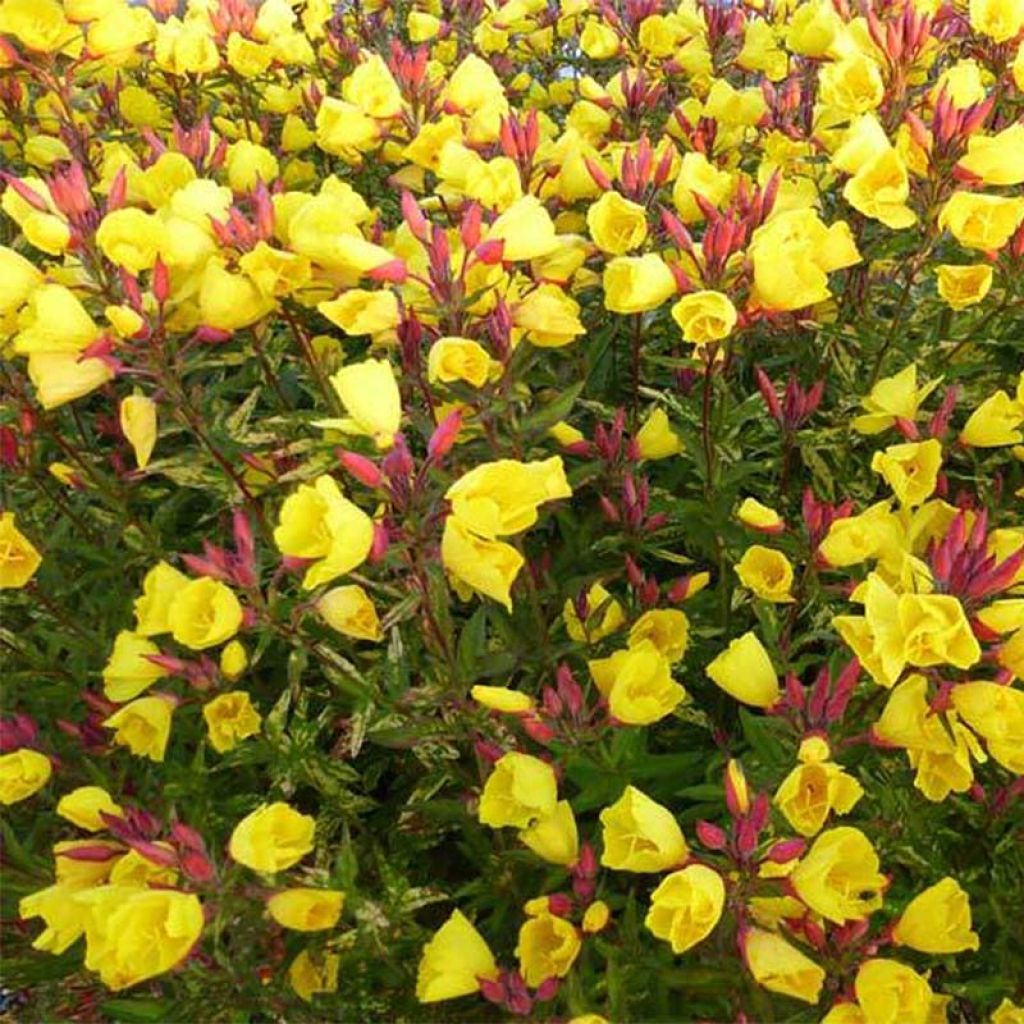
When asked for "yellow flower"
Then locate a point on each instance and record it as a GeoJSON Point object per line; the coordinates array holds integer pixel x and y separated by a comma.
{"type": "Point", "coordinates": [667, 628]}
{"type": "Point", "coordinates": [1007, 1012]}
{"type": "Point", "coordinates": [1000, 20]}
{"type": "Point", "coordinates": [344, 130]}
{"type": "Point", "coordinates": [306, 910]}
{"type": "Point", "coordinates": [233, 660]}
{"type": "Point", "coordinates": [767, 573]}
{"type": "Point", "coordinates": [453, 962]}
{"type": "Point", "coordinates": [604, 616]}
{"type": "Point", "coordinates": [131, 238]}
{"type": "Point", "coordinates": [853, 85]}
{"type": "Point", "coordinates": [698, 176]}
{"type": "Point", "coordinates": [40, 26]}
{"type": "Point", "coordinates": [520, 790]}
{"type": "Point", "coordinates": [981, 221]}
{"type": "Point", "coordinates": [361, 312]}
{"type": "Point", "coordinates": [937, 920]}
{"type": "Point", "coordinates": [138, 424]}
{"type": "Point", "coordinates": [635, 284]}
{"type": "Point", "coordinates": [372, 88]}
{"type": "Point", "coordinates": [781, 967]}
{"type": "Point", "coordinates": [18, 557]}
{"type": "Point", "coordinates": [228, 300]}
{"type": "Point", "coordinates": [369, 392]}
{"type": "Point", "coordinates": [554, 837]}
{"type": "Point", "coordinates": [596, 917]}
{"type": "Point", "coordinates": [489, 567]}
{"type": "Point", "coordinates": [547, 948]}
{"type": "Point", "coordinates": [936, 631]}
{"type": "Point", "coordinates": [311, 973]}
{"type": "Point", "coordinates": [839, 877]}
{"type": "Point", "coordinates": [880, 189]}
{"type": "Point", "coordinates": [996, 422]}
{"type": "Point", "coordinates": [63, 916]}
{"type": "Point", "coordinates": [549, 316]}
{"type": "Point", "coordinates": [656, 439]}
{"type": "Point", "coordinates": [892, 993]}
{"type": "Point", "coordinates": [129, 671]}
{"type": "Point", "coordinates": [526, 229]}
{"type": "Point", "coordinates": [686, 906]}
{"type": "Point", "coordinates": [759, 517]}
{"type": "Point", "coordinates": [616, 224]}
{"type": "Point", "coordinates": [144, 726]}
{"type": "Point", "coordinates": [499, 498]}
{"type": "Point", "coordinates": [230, 718]}
{"type": "Point", "coordinates": [892, 398]}
{"type": "Point", "coordinates": [997, 159]}
{"type": "Point", "coordinates": [745, 672]}
{"type": "Point", "coordinates": [22, 773]}
{"type": "Point", "coordinates": [996, 713]}
{"type": "Point", "coordinates": [82, 807]}
{"type": "Point", "coordinates": [18, 279]}
{"type": "Point", "coordinates": [272, 838]}
{"type": "Point", "coordinates": [812, 791]}
{"type": "Point", "coordinates": [501, 698]}
{"type": "Point", "coordinates": [204, 613]}
{"type": "Point", "coordinates": [705, 316]}
{"type": "Point", "coordinates": [318, 523]}
{"type": "Point", "coordinates": [350, 611]}
{"type": "Point", "coordinates": [638, 684]}
{"type": "Point", "coordinates": [911, 469]}
{"type": "Point", "coordinates": [452, 359]}
{"type": "Point", "coordinates": [159, 588]}
{"type": "Point", "coordinates": [134, 934]}
{"type": "Point", "coordinates": [640, 835]}
{"type": "Point", "coordinates": [61, 377]}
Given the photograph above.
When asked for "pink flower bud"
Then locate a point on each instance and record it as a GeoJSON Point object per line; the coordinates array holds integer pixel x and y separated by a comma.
{"type": "Point", "coordinates": [363, 469]}
{"type": "Point", "coordinates": [197, 867]}
{"type": "Point", "coordinates": [711, 836]}
{"type": "Point", "coordinates": [444, 436]}
{"type": "Point", "coordinates": [381, 542]}
{"type": "Point", "coordinates": [559, 904]}
{"type": "Point", "coordinates": [490, 252]}
{"type": "Point", "coordinates": [392, 272]}
{"type": "Point", "coordinates": [787, 850]}
{"type": "Point", "coordinates": [537, 729]}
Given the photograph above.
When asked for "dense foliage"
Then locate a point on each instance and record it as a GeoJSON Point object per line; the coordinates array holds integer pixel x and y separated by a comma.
{"type": "Point", "coordinates": [512, 510]}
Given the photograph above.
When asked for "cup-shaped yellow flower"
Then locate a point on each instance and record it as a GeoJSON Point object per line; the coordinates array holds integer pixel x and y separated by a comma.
{"type": "Point", "coordinates": [745, 672]}
{"type": "Point", "coordinates": [131, 238]}
{"type": "Point", "coordinates": [454, 961]}
{"type": "Point", "coordinates": [230, 718]}
{"type": "Point", "coordinates": [138, 424]}
{"type": "Point", "coordinates": [460, 359]}
{"type": "Point", "coordinates": [638, 684]}
{"type": "Point", "coordinates": [272, 838]}
{"type": "Point", "coordinates": [144, 726]}
{"type": "Point", "coordinates": [936, 631]}
{"type": "Point", "coordinates": [369, 392]}
{"type": "Point", "coordinates": [18, 557]}
{"type": "Point", "coordinates": [995, 713]}
{"type": "Point", "coordinates": [350, 611]}
{"type": "Point", "coordinates": [812, 791]}
{"type": "Point", "coordinates": [780, 967]}
{"type": "Point", "coordinates": [306, 910]}
{"type": "Point", "coordinates": [998, 421]}
{"type": "Point", "coordinates": [889, 992]}
{"type": "Point", "coordinates": [82, 807]}
{"type": "Point", "coordinates": [359, 312]}
{"type": "Point", "coordinates": [759, 517]}
{"type": "Point", "coordinates": [839, 877]}
{"type": "Point", "coordinates": [319, 523]}
{"type": "Point", "coordinates": [204, 613]}
{"type": "Point", "coordinates": [979, 221]}
{"type": "Point", "coordinates": [640, 835]}
{"type": "Point", "coordinates": [1000, 20]}
{"type": "Point", "coordinates": [767, 573]}
{"type": "Point", "coordinates": [893, 398]}
{"type": "Point", "coordinates": [547, 948]}
{"type": "Point", "coordinates": [963, 286]}
{"type": "Point", "coordinates": [911, 470]}
{"type": "Point", "coordinates": [656, 439]}
{"type": "Point", "coordinates": [128, 671]}
{"type": "Point", "coordinates": [312, 973]}
{"type": "Point", "coordinates": [705, 317]}
{"type": "Point", "coordinates": [554, 837]}
{"type": "Point", "coordinates": [520, 790]}
{"type": "Point", "coordinates": [159, 589]}
{"type": "Point", "coordinates": [489, 567]}
{"type": "Point", "coordinates": [938, 920]}
{"type": "Point", "coordinates": [686, 906]}
{"type": "Point", "coordinates": [636, 284]}
{"type": "Point", "coordinates": [526, 229]}
{"type": "Point", "coordinates": [22, 772]}
{"type": "Point", "coordinates": [135, 934]}
{"type": "Point", "coordinates": [667, 628]}
{"type": "Point", "coordinates": [616, 224]}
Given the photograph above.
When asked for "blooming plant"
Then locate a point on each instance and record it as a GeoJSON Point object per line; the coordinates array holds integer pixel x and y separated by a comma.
{"type": "Point", "coordinates": [512, 510]}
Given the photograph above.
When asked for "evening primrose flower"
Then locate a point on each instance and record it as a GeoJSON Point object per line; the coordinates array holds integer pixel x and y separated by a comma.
{"type": "Point", "coordinates": [891, 399]}
{"type": "Point", "coordinates": [306, 910]}
{"type": "Point", "coordinates": [83, 806]}
{"type": "Point", "coordinates": [911, 469]}
{"type": "Point", "coordinates": [22, 773]}
{"type": "Point", "coordinates": [937, 920]}
{"type": "Point", "coordinates": [460, 359]}
{"type": "Point", "coordinates": [311, 973]}
{"type": "Point", "coordinates": [815, 788]}
{"type": "Point", "coordinates": [19, 558]}
{"type": "Point", "coordinates": [547, 948]}
{"type": "Point", "coordinates": [656, 439]}
{"type": "Point", "coordinates": [767, 573]}
{"type": "Point", "coordinates": [139, 426]}
{"type": "Point", "coordinates": [636, 284]}
{"type": "Point", "coordinates": [616, 224]}
{"type": "Point", "coordinates": [686, 906]}
{"type": "Point", "coordinates": [272, 838]}
{"type": "Point", "coordinates": [204, 613]}
{"type": "Point", "coordinates": [705, 317]}
{"type": "Point", "coordinates": [668, 629]}
{"type": "Point", "coordinates": [350, 611]}
{"type": "Point", "coordinates": [889, 992]}
{"type": "Point", "coordinates": [839, 876]}
{"type": "Point", "coordinates": [128, 671]}
{"type": "Point", "coordinates": [144, 725]}
{"type": "Point", "coordinates": [521, 790]}
{"type": "Point", "coordinates": [745, 672]}
{"type": "Point", "coordinates": [230, 717]}
{"type": "Point", "coordinates": [780, 967]}
{"type": "Point", "coordinates": [998, 421]}
{"type": "Point", "coordinates": [759, 517]}
{"type": "Point", "coordinates": [359, 312]}
{"type": "Point", "coordinates": [489, 567]}
{"type": "Point", "coordinates": [454, 961]}
{"type": "Point", "coordinates": [963, 286]}
{"type": "Point", "coordinates": [637, 684]}
{"type": "Point", "coordinates": [369, 392]}
{"type": "Point", "coordinates": [554, 837]}
{"type": "Point", "coordinates": [640, 835]}
{"type": "Point", "coordinates": [159, 588]}
{"type": "Point", "coordinates": [501, 698]}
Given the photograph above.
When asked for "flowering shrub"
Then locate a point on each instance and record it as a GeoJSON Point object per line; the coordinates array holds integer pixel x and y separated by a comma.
{"type": "Point", "coordinates": [513, 510]}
